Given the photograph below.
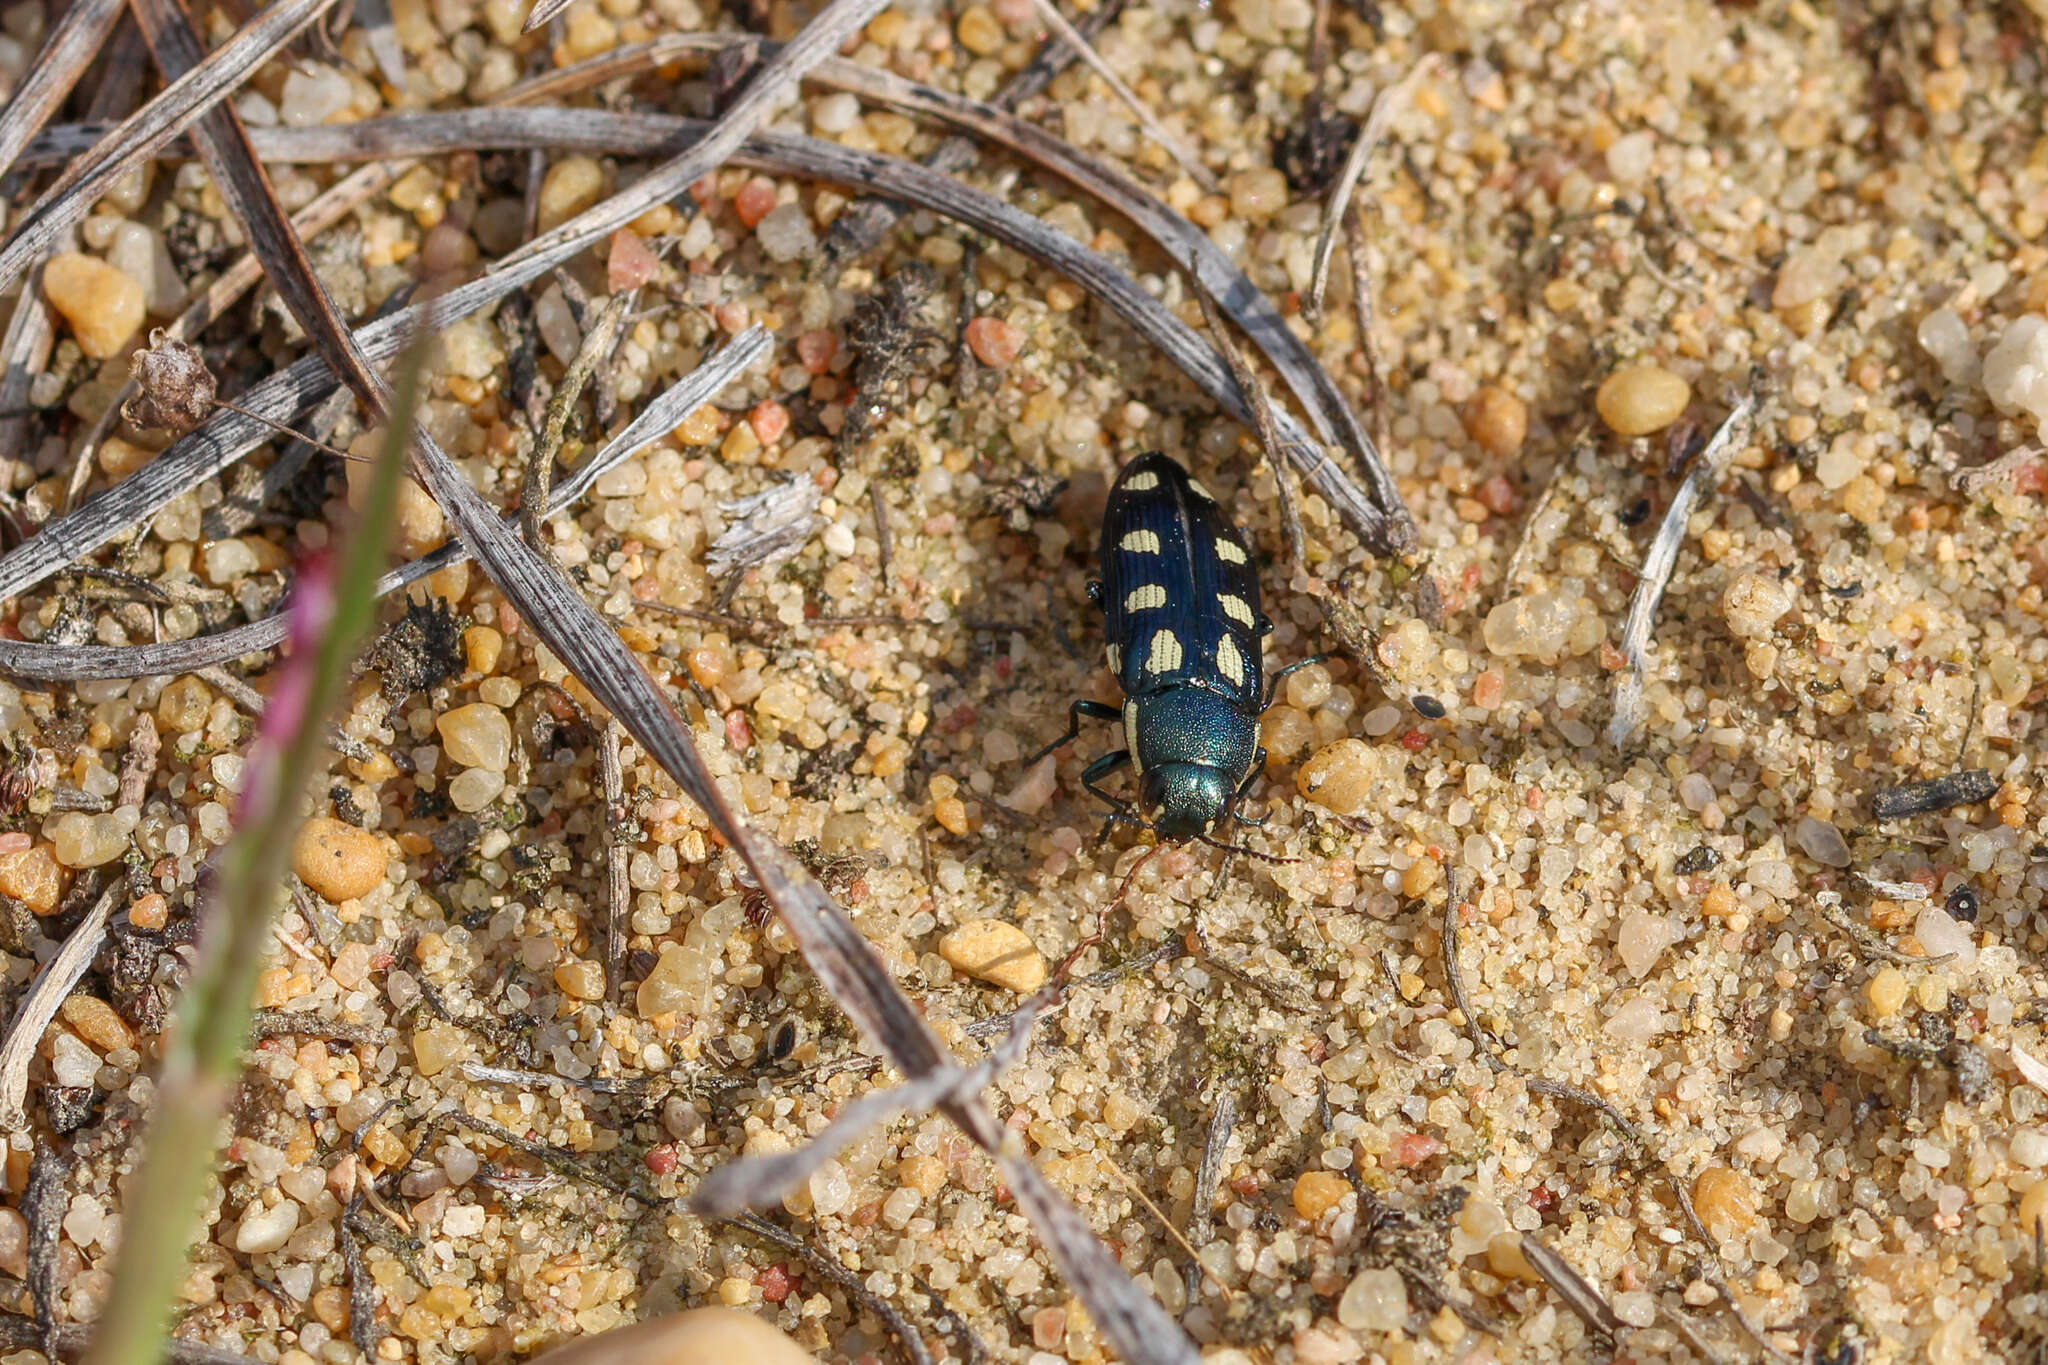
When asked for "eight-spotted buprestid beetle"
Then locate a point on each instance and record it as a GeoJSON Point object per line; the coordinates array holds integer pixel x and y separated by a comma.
{"type": "Point", "coordinates": [1180, 602]}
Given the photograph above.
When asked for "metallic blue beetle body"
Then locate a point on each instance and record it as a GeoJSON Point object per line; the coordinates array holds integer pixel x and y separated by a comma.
{"type": "Point", "coordinates": [1180, 602]}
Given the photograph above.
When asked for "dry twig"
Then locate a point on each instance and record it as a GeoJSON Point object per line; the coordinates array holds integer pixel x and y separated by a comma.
{"type": "Point", "coordinates": [1148, 120]}
{"type": "Point", "coordinates": [1657, 566]}
{"type": "Point", "coordinates": [1384, 107]}
{"type": "Point", "coordinates": [39, 1006]}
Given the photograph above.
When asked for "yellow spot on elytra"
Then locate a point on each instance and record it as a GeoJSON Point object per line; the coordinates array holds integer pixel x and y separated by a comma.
{"type": "Point", "coordinates": [1142, 482]}
{"type": "Point", "coordinates": [1140, 542]}
{"type": "Point", "coordinates": [1148, 598]}
{"type": "Point", "coordinates": [1229, 551]}
{"type": "Point", "coordinates": [1235, 607]}
{"type": "Point", "coordinates": [1229, 662]}
{"type": "Point", "coordinates": [1166, 653]}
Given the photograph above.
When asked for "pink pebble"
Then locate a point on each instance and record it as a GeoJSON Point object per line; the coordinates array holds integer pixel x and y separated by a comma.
{"type": "Point", "coordinates": [995, 343]}
{"type": "Point", "coordinates": [631, 264]}
{"type": "Point", "coordinates": [754, 200]}
{"type": "Point", "coordinates": [769, 420]}
{"type": "Point", "coordinates": [1412, 1149]}
{"type": "Point", "coordinates": [814, 350]}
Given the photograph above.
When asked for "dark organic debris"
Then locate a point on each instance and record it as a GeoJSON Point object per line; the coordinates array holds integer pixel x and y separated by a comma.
{"type": "Point", "coordinates": [68, 1106]}
{"type": "Point", "coordinates": [1418, 1246]}
{"type": "Point", "coordinates": [1964, 788]}
{"type": "Point", "coordinates": [1700, 858]}
{"type": "Point", "coordinates": [1941, 1045]}
{"type": "Point", "coordinates": [887, 334]}
{"type": "Point", "coordinates": [422, 648]}
{"type": "Point", "coordinates": [1311, 152]}
{"type": "Point", "coordinates": [1026, 498]}
{"type": "Point", "coordinates": [1961, 905]}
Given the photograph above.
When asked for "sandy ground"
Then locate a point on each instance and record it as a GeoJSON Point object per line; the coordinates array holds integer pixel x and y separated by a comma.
{"type": "Point", "coordinates": [1695, 961]}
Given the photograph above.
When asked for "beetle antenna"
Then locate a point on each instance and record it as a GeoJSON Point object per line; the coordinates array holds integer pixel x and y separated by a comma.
{"type": "Point", "coordinates": [1059, 976]}
{"type": "Point", "coordinates": [1248, 852]}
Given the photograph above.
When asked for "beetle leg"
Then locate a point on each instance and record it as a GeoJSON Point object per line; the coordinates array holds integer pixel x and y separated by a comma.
{"type": "Point", "coordinates": [1101, 768]}
{"type": "Point", "coordinates": [1244, 788]}
{"type": "Point", "coordinates": [1095, 710]}
{"type": "Point", "coordinates": [1273, 683]}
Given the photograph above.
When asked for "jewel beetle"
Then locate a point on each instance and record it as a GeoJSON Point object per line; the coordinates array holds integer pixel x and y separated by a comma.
{"type": "Point", "coordinates": [1180, 604]}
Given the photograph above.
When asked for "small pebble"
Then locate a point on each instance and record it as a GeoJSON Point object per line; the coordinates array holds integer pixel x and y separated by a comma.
{"type": "Point", "coordinates": [1497, 421]}
{"type": "Point", "coordinates": [770, 420]}
{"type": "Point", "coordinates": [1535, 625]}
{"type": "Point", "coordinates": [1942, 936]}
{"type": "Point", "coordinates": [1643, 937]}
{"type": "Point", "coordinates": [1317, 1192]}
{"type": "Point", "coordinates": [418, 524]}
{"type": "Point", "coordinates": [571, 185]}
{"type": "Point", "coordinates": [337, 860]}
{"type": "Point", "coordinates": [1885, 992]}
{"type": "Point", "coordinates": [679, 982]}
{"type": "Point", "coordinates": [1257, 194]}
{"type": "Point", "coordinates": [97, 1022]}
{"type": "Point", "coordinates": [995, 343]}
{"type": "Point", "coordinates": [1724, 1202]}
{"type": "Point", "coordinates": [786, 234]}
{"type": "Point", "coordinates": [1348, 777]}
{"type": "Point", "coordinates": [313, 93]}
{"type": "Point", "coordinates": [995, 951]}
{"type": "Point", "coordinates": [2030, 1148]}
{"type": "Point", "coordinates": [631, 263]}
{"type": "Point", "coordinates": [71, 1061]}
{"type": "Point", "coordinates": [82, 840]}
{"type": "Point", "coordinates": [1822, 842]}
{"type": "Point", "coordinates": [13, 1244]}
{"type": "Point", "coordinates": [1752, 603]}
{"type": "Point", "coordinates": [435, 1046]}
{"type": "Point", "coordinates": [476, 736]}
{"type": "Point", "coordinates": [835, 114]}
{"type": "Point", "coordinates": [1945, 336]}
{"type": "Point", "coordinates": [701, 1336]}
{"type": "Point", "coordinates": [581, 979]}
{"type": "Point", "coordinates": [32, 876]}
{"type": "Point", "coordinates": [103, 305]}
{"type": "Point", "coordinates": [1376, 1300]}
{"type": "Point", "coordinates": [978, 31]}
{"type": "Point", "coordinates": [472, 789]}
{"type": "Point", "coordinates": [754, 200]}
{"type": "Point", "coordinates": [1035, 788]}
{"type": "Point", "coordinates": [1641, 399]}
{"type": "Point", "coordinates": [266, 1228]}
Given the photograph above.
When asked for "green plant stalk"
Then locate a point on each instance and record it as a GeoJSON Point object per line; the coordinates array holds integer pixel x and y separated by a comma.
{"type": "Point", "coordinates": [202, 1061]}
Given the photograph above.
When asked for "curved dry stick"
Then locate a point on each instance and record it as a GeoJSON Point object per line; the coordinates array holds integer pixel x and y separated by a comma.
{"type": "Point", "coordinates": [1329, 412]}
{"type": "Point", "coordinates": [604, 132]}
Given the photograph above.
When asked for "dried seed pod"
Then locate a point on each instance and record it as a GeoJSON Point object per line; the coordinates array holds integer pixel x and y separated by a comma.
{"type": "Point", "coordinates": [177, 390]}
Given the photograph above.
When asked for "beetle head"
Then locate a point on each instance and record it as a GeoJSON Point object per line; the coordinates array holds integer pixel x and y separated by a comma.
{"type": "Point", "coordinates": [1184, 800]}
